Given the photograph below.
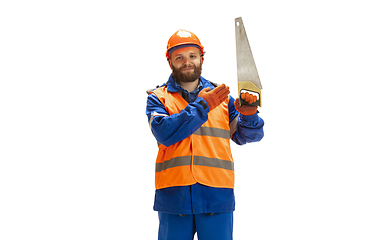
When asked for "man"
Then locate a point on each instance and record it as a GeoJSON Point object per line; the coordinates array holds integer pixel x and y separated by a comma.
{"type": "Point", "coordinates": [193, 121]}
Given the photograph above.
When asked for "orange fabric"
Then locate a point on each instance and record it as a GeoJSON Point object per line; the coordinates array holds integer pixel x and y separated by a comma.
{"type": "Point", "coordinates": [216, 96]}
{"type": "Point", "coordinates": [204, 157]}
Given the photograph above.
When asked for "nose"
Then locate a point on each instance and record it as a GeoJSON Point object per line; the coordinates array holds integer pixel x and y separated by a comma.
{"type": "Point", "coordinates": [186, 62]}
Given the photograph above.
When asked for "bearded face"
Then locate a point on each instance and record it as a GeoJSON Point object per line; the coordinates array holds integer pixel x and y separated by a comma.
{"type": "Point", "coordinates": [188, 72]}
{"type": "Point", "coordinates": [186, 64]}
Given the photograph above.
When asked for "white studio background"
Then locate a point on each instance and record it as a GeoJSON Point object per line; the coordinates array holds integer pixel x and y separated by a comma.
{"type": "Point", "coordinates": [76, 153]}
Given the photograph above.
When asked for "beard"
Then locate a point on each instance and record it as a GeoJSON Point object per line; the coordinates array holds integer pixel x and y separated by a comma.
{"type": "Point", "coordinates": [179, 76]}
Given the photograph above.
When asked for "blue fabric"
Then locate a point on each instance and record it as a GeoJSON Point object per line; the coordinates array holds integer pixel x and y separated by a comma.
{"type": "Point", "coordinates": [208, 227]}
{"type": "Point", "coordinates": [196, 199]}
{"type": "Point", "coordinates": [182, 46]}
{"type": "Point", "coordinates": [249, 129]}
{"type": "Point", "coordinates": [169, 130]}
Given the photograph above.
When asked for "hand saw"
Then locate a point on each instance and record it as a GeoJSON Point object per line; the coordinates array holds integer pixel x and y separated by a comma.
{"type": "Point", "coordinates": [247, 76]}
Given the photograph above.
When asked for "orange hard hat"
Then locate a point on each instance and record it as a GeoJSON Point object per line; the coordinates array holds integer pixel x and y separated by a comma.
{"type": "Point", "coordinates": [183, 37]}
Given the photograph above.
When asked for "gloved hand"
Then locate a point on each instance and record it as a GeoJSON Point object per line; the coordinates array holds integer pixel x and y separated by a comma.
{"type": "Point", "coordinates": [249, 98]}
{"type": "Point", "coordinates": [245, 109]}
{"type": "Point", "coordinates": [216, 96]}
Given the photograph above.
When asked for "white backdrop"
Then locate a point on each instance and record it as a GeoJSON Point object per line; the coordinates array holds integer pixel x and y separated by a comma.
{"type": "Point", "coordinates": [77, 156]}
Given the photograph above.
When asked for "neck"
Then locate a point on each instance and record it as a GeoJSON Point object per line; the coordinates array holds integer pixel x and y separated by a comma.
{"type": "Point", "coordinates": [189, 86]}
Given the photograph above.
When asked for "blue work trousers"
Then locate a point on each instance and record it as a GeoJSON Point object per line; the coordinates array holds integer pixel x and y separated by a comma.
{"type": "Point", "coordinates": [217, 226]}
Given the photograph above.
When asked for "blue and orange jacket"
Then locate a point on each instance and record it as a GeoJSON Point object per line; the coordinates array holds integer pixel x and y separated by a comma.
{"type": "Point", "coordinates": [178, 118]}
{"type": "Point", "coordinates": [204, 156]}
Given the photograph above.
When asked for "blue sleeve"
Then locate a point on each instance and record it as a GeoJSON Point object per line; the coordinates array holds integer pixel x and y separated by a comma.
{"type": "Point", "coordinates": [249, 128]}
{"type": "Point", "coordinates": [232, 110]}
{"type": "Point", "coordinates": [170, 129]}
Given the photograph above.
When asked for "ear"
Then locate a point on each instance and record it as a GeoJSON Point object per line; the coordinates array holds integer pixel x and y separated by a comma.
{"type": "Point", "coordinates": [169, 62]}
{"type": "Point", "coordinates": [202, 60]}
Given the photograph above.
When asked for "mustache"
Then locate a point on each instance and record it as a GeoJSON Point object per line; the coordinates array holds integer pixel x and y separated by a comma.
{"type": "Point", "coordinates": [188, 66]}
{"type": "Point", "coordinates": [190, 77]}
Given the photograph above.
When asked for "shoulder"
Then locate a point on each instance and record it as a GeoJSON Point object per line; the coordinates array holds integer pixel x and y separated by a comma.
{"type": "Point", "coordinates": [206, 83]}
{"type": "Point", "coordinates": [151, 90]}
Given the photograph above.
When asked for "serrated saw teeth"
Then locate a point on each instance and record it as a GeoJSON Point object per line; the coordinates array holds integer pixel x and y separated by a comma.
{"type": "Point", "coordinates": [248, 96]}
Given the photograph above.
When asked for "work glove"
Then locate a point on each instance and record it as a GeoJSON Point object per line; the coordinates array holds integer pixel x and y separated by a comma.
{"type": "Point", "coordinates": [249, 98]}
{"type": "Point", "coordinates": [245, 109]}
{"type": "Point", "coordinates": [214, 97]}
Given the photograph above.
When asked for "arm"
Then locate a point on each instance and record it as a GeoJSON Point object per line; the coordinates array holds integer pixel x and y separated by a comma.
{"type": "Point", "coordinates": [248, 128]}
{"type": "Point", "coordinates": [171, 129]}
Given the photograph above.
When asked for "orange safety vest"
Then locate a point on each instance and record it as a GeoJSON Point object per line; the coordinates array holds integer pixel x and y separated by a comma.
{"type": "Point", "coordinates": [204, 157]}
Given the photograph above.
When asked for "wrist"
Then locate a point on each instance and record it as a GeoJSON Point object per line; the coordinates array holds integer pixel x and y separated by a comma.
{"type": "Point", "coordinates": [202, 103]}
{"type": "Point", "coordinates": [248, 118]}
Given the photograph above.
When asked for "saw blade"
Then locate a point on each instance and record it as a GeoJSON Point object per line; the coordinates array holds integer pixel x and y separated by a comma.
{"type": "Point", "coordinates": [247, 75]}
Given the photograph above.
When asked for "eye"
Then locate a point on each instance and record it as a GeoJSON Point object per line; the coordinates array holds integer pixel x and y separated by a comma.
{"type": "Point", "coordinates": [192, 56]}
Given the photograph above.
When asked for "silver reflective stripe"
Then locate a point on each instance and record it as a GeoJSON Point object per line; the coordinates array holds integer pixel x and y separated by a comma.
{"type": "Point", "coordinates": [233, 125]}
{"type": "Point", "coordinates": [174, 162]}
{"type": "Point", "coordinates": [197, 160]}
{"type": "Point", "coordinates": [213, 162]}
{"type": "Point", "coordinates": [154, 114]}
{"type": "Point", "coordinates": [213, 132]}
